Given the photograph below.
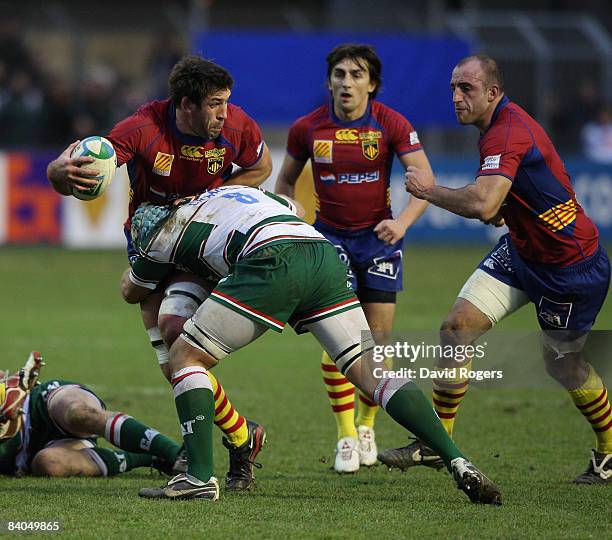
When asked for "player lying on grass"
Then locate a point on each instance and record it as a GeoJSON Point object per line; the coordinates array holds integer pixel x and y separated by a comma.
{"type": "Point", "coordinates": [174, 148]}
{"type": "Point", "coordinates": [50, 429]}
{"type": "Point", "coordinates": [551, 257]}
{"type": "Point", "coordinates": [272, 268]}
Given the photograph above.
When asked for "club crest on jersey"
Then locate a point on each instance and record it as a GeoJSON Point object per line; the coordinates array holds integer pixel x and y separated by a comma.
{"type": "Point", "coordinates": [214, 164]}
{"type": "Point", "coordinates": [322, 151]}
{"type": "Point", "coordinates": [163, 164]}
{"type": "Point", "coordinates": [370, 149]}
{"type": "Point", "coordinates": [347, 136]}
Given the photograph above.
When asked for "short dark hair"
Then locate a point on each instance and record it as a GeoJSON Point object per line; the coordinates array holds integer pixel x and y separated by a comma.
{"type": "Point", "coordinates": [195, 77]}
{"type": "Point", "coordinates": [359, 53]}
{"type": "Point", "coordinates": [490, 68]}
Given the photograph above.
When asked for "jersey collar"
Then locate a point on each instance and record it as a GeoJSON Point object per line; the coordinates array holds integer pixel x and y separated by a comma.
{"type": "Point", "coordinates": [361, 121]}
{"type": "Point", "coordinates": [502, 103]}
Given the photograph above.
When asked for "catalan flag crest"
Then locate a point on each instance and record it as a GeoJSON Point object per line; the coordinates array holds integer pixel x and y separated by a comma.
{"type": "Point", "coordinates": [163, 164]}
{"type": "Point", "coordinates": [560, 216]}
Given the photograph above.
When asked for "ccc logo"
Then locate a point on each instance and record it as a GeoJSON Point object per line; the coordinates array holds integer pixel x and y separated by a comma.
{"type": "Point", "coordinates": [347, 135]}
{"type": "Point", "coordinates": [191, 151]}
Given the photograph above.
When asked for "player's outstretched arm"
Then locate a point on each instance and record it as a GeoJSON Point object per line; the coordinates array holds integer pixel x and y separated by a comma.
{"type": "Point", "coordinates": [288, 175]}
{"type": "Point", "coordinates": [480, 200]}
{"type": "Point", "coordinates": [65, 172]}
{"type": "Point", "coordinates": [255, 175]}
{"type": "Point", "coordinates": [393, 230]}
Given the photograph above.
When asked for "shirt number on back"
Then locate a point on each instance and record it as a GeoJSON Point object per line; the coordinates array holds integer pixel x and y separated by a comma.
{"type": "Point", "coordinates": [241, 198]}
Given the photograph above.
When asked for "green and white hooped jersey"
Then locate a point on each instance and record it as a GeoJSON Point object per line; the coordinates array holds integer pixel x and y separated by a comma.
{"type": "Point", "coordinates": [208, 235]}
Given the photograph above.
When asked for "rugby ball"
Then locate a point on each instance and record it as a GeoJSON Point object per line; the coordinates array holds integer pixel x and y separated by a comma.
{"type": "Point", "coordinates": [105, 163]}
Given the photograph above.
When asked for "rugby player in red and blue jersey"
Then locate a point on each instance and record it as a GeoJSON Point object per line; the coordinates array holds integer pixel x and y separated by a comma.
{"type": "Point", "coordinates": [550, 257]}
{"type": "Point", "coordinates": [351, 143]}
{"type": "Point", "coordinates": [176, 148]}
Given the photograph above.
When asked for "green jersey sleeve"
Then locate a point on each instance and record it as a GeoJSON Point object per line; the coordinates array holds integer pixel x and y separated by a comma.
{"type": "Point", "coordinates": [149, 272]}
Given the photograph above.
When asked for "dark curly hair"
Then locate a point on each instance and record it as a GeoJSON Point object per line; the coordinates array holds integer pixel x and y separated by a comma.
{"type": "Point", "coordinates": [195, 77]}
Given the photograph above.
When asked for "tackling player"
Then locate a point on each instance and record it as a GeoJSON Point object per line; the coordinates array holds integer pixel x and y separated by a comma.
{"type": "Point", "coordinates": [273, 268]}
{"type": "Point", "coordinates": [174, 148]}
{"type": "Point", "coordinates": [550, 257]}
{"type": "Point", "coordinates": [351, 143]}
{"type": "Point", "coordinates": [50, 429]}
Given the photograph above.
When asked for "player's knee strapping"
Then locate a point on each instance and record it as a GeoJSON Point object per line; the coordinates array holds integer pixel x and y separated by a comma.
{"type": "Point", "coordinates": [347, 358]}
{"type": "Point", "coordinates": [182, 299]}
{"type": "Point", "coordinates": [203, 340]}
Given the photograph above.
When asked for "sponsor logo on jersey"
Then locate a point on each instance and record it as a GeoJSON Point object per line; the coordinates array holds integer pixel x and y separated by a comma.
{"type": "Point", "coordinates": [322, 151]}
{"type": "Point", "coordinates": [215, 152]}
{"type": "Point", "coordinates": [554, 313]}
{"type": "Point", "coordinates": [560, 216]}
{"type": "Point", "coordinates": [414, 138]}
{"type": "Point", "coordinates": [193, 153]}
{"type": "Point", "coordinates": [367, 135]}
{"type": "Point", "coordinates": [163, 164]}
{"type": "Point", "coordinates": [214, 164]}
{"type": "Point", "coordinates": [491, 162]}
{"type": "Point", "coordinates": [328, 178]}
{"type": "Point", "coordinates": [347, 136]}
{"type": "Point", "coordinates": [387, 267]}
{"type": "Point", "coordinates": [370, 149]}
{"type": "Point", "coordinates": [358, 178]}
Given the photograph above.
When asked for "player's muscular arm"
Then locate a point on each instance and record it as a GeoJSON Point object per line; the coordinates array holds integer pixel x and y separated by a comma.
{"type": "Point", "coordinates": [288, 175]}
{"type": "Point", "coordinates": [480, 200]}
{"type": "Point", "coordinates": [392, 230]}
{"type": "Point", "coordinates": [131, 292]}
{"type": "Point", "coordinates": [254, 175]}
{"type": "Point", "coordinates": [65, 172]}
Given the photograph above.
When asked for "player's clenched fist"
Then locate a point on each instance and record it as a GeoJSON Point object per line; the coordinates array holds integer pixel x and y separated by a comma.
{"type": "Point", "coordinates": [418, 182]}
{"type": "Point", "coordinates": [390, 231]}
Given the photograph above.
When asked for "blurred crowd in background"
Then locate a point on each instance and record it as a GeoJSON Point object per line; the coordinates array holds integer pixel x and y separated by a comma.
{"type": "Point", "coordinates": [42, 108]}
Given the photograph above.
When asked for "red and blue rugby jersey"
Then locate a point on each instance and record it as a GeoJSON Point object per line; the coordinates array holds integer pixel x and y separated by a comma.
{"type": "Point", "coordinates": [164, 164]}
{"type": "Point", "coordinates": [351, 161]}
{"type": "Point", "coordinates": [546, 222]}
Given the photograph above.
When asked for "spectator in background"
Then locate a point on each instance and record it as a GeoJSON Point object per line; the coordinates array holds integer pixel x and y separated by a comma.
{"type": "Point", "coordinates": [21, 111]}
{"type": "Point", "coordinates": [597, 137]}
{"type": "Point", "coordinates": [166, 51]}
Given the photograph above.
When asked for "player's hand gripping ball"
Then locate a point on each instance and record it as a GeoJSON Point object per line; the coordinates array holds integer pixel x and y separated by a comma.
{"type": "Point", "coordinates": [105, 163]}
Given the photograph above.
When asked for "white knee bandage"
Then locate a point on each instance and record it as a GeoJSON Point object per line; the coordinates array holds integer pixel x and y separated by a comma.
{"type": "Point", "coordinates": [200, 339]}
{"type": "Point", "coordinates": [491, 296]}
{"type": "Point", "coordinates": [182, 299]}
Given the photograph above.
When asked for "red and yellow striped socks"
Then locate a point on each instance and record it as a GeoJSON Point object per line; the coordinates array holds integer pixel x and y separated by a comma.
{"type": "Point", "coordinates": [592, 401]}
{"type": "Point", "coordinates": [447, 395]}
{"type": "Point", "coordinates": [341, 395]}
{"type": "Point", "coordinates": [228, 419]}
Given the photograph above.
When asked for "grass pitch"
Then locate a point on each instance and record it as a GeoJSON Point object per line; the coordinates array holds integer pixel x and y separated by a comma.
{"type": "Point", "coordinates": [531, 441]}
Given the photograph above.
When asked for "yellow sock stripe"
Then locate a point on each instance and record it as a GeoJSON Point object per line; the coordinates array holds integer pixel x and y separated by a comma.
{"type": "Point", "coordinates": [227, 419]}
{"type": "Point", "coordinates": [341, 394]}
{"type": "Point", "coordinates": [592, 401]}
{"type": "Point", "coordinates": [366, 412]}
